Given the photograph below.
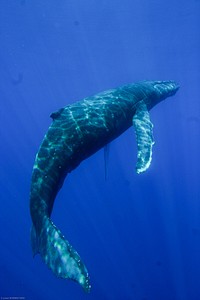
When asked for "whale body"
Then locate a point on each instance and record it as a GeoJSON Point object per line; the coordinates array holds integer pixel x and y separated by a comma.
{"type": "Point", "coordinates": [78, 131]}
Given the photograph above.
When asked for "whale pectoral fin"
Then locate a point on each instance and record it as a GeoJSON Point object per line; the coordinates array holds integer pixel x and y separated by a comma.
{"type": "Point", "coordinates": [144, 135]}
{"type": "Point", "coordinates": [58, 254]}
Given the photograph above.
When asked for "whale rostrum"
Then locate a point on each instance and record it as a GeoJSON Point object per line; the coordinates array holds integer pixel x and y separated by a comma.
{"type": "Point", "coordinates": [78, 131]}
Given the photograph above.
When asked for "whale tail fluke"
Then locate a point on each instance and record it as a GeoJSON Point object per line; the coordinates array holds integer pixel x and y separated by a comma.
{"type": "Point", "coordinates": [58, 254]}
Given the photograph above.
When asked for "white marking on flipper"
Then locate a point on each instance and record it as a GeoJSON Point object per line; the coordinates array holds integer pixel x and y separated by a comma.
{"type": "Point", "coordinates": [144, 135]}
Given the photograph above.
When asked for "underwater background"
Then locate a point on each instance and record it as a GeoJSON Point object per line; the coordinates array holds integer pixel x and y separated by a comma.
{"type": "Point", "coordinates": [139, 235]}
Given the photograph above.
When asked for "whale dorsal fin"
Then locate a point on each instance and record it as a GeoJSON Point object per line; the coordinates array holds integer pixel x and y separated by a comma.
{"type": "Point", "coordinates": [144, 135]}
{"type": "Point", "coordinates": [56, 114]}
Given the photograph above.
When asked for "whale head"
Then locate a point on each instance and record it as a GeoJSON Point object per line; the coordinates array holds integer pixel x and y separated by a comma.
{"type": "Point", "coordinates": [157, 91]}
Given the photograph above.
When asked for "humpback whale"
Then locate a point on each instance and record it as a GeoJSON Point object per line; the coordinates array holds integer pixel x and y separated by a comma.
{"type": "Point", "coordinates": [78, 131]}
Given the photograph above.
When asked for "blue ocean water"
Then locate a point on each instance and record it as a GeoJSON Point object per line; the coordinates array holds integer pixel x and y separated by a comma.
{"type": "Point", "coordinates": [139, 235]}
